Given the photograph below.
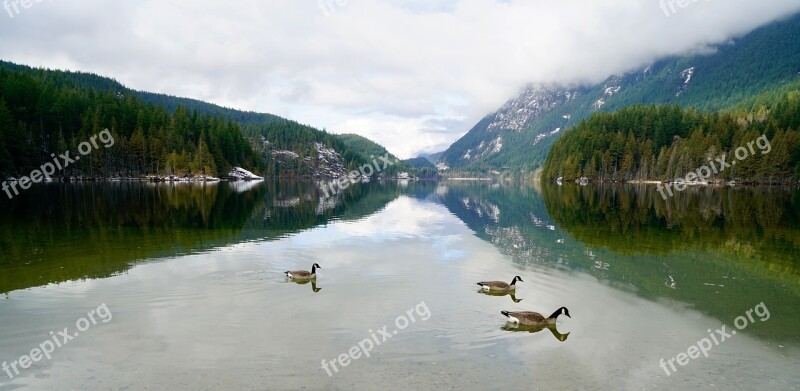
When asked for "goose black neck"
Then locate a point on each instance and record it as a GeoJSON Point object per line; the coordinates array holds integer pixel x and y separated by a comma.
{"type": "Point", "coordinates": [313, 269]}
{"type": "Point", "coordinates": [556, 314]}
{"type": "Point", "coordinates": [514, 281]}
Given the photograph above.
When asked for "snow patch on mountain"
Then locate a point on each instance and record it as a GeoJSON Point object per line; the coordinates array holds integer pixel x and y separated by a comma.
{"type": "Point", "coordinates": [542, 136]}
{"type": "Point", "coordinates": [613, 86]}
{"type": "Point", "coordinates": [520, 111]}
{"type": "Point", "coordinates": [498, 145]}
{"type": "Point", "coordinates": [599, 103]}
{"type": "Point", "coordinates": [686, 76]}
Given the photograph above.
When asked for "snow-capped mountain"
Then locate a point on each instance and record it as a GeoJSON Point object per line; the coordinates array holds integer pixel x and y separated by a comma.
{"type": "Point", "coordinates": [519, 134]}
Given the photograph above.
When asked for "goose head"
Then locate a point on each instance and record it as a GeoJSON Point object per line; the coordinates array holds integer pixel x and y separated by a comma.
{"type": "Point", "coordinates": [564, 311]}
{"type": "Point", "coordinates": [316, 266]}
{"type": "Point", "coordinates": [517, 278]}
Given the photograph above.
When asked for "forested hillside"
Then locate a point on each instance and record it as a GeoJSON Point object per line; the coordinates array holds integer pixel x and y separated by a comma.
{"type": "Point", "coordinates": [371, 150]}
{"type": "Point", "coordinates": [44, 113]}
{"type": "Point", "coordinates": [158, 133]}
{"type": "Point", "coordinates": [423, 167]}
{"type": "Point", "coordinates": [292, 149]}
{"type": "Point", "coordinates": [667, 142]}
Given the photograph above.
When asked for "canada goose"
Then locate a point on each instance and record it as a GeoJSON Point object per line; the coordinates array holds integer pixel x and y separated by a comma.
{"type": "Point", "coordinates": [535, 318]}
{"type": "Point", "coordinates": [500, 285]}
{"type": "Point", "coordinates": [304, 275]}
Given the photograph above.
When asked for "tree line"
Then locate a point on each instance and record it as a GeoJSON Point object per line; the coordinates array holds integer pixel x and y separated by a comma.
{"type": "Point", "coordinates": [667, 142]}
{"type": "Point", "coordinates": [44, 113]}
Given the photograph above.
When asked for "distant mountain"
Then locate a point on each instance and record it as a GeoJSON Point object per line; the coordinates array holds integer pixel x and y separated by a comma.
{"type": "Point", "coordinates": [370, 151]}
{"type": "Point", "coordinates": [519, 135]}
{"type": "Point", "coordinates": [364, 146]}
{"type": "Point", "coordinates": [433, 157]}
{"type": "Point", "coordinates": [423, 167]}
{"type": "Point", "coordinates": [419, 163]}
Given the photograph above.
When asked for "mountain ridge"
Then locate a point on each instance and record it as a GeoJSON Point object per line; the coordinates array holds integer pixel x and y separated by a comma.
{"type": "Point", "coordinates": [288, 148]}
{"type": "Point", "coordinates": [518, 136]}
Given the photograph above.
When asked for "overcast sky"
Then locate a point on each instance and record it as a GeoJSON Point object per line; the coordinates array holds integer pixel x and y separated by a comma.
{"type": "Point", "coordinates": [412, 75]}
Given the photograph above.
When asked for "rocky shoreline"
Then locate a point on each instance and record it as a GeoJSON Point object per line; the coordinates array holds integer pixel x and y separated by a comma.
{"type": "Point", "coordinates": [236, 174]}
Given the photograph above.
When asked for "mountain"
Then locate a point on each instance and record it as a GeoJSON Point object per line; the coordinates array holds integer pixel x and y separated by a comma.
{"type": "Point", "coordinates": [419, 163]}
{"type": "Point", "coordinates": [105, 84]}
{"type": "Point", "coordinates": [283, 148]}
{"type": "Point", "coordinates": [519, 135]}
{"type": "Point", "coordinates": [44, 113]}
{"type": "Point", "coordinates": [365, 147]}
{"type": "Point", "coordinates": [433, 157]}
{"type": "Point", "coordinates": [423, 167]}
{"type": "Point", "coordinates": [370, 151]}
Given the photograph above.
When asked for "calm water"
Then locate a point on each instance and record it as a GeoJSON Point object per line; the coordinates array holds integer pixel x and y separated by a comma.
{"type": "Point", "coordinates": [191, 277]}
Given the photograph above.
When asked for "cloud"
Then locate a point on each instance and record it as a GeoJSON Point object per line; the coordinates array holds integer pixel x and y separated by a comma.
{"type": "Point", "coordinates": [412, 75]}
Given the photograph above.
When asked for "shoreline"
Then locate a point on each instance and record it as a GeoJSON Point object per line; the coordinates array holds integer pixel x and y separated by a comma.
{"type": "Point", "coordinates": [197, 179]}
{"type": "Point", "coordinates": [718, 183]}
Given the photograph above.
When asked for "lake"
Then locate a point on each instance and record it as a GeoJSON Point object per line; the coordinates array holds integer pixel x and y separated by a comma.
{"type": "Point", "coordinates": [133, 286]}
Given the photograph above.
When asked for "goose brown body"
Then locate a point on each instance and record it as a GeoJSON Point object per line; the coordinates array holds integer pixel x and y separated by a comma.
{"type": "Point", "coordinates": [500, 285]}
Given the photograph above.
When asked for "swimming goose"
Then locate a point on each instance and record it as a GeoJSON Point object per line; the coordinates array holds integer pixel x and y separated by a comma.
{"type": "Point", "coordinates": [302, 274]}
{"type": "Point", "coordinates": [500, 285]}
{"type": "Point", "coordinates": [535, 318]}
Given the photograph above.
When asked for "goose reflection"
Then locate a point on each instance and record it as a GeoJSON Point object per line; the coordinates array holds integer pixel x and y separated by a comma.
{"type": "Point", "coordinates": [515, 327]}
{"type": "Point", "coordinates": [304, 282]}
{"type": "Point", "coordinates": [500, 293]}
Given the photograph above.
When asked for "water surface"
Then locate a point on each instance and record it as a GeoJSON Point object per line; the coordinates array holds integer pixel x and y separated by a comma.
{"type": "Point", "coordinates": [193, 277]}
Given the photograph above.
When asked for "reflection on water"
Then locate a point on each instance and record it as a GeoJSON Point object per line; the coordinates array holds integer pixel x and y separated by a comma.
{"type": "Point", "coordinates": [313, 283]}
{"type": "Point", "coordinates": [511, 294]}
{"type": "Point", "coordinates": [735, 244]}
{"type": "Point", "coordinates": [757, 225]}
{"type": "Point", "coordinates": [61, 232]}
{"type": "Point", "coordinates": [194, 277]}
{"type": "Point", "coordinates": [516, 327]}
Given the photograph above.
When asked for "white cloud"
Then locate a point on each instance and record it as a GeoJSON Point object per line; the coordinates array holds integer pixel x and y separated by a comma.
{"type": "Point", "coordinates": [383, 68]}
